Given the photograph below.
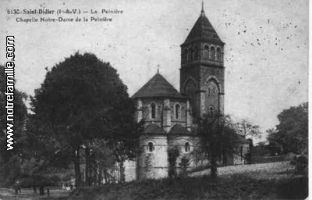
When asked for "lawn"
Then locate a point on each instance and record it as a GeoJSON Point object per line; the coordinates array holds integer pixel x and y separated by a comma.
{"type": "Point", "coordinates": [259, 181]}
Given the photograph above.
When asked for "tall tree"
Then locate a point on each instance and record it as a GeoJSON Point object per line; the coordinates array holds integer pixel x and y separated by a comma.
{"type": "Point", "coordinates": [219, 138]}
{"type": "Point", "coordinates": [81, 98]}
{"type": "Point", "coordinates": [246, 128]}
{"type": "Point", "coordinates": [10, 161]}
{"type": "Point", "coordinates": [292, 131]}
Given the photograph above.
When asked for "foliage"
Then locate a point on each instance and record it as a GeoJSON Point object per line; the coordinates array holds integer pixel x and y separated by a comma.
{"type": "Point", "coordinates": [219, 138]}
{"type": "Point", "coordinates": [173, 154]}
{"type": "Point", "coordinates": [246, 128]}
{"type": "Point", "coordinates": [291, 134]}
{"type": "Point", "coordinates": [38, 180]}
{"type": "Point", "coordinates": [104, 156]}
{"type": "Point", "coordinates": [301, 164]}
{"type": "Point", "coordinates": [148, 163]}
{"type": "Point", "coordinates": [199, 158]}
{"type": "Point", "coordinates": [10, 161]}
{"type": "Point", "coordinates": [80, 100]}
{"type": "Point", "coordinates": [184, 164]}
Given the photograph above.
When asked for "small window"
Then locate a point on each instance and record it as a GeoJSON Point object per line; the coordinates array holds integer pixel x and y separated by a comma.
{"type": "Point", "coordinates": [212, 53]}
{"type": "Point", "coordinates": [150, 147]}
{"type": "Point", "coordinates": [219, 54]}
{"type": "Point", "coordinates": [187, 147]}
{"type": "Point", "coordinates": [153, 111]}
{"type": "Point", "coordinates": [206, 52]}
{"type": "Point", "coordinates": [177, 111]}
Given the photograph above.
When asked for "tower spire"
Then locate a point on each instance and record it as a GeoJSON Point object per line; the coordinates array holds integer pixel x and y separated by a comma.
{"type": "Point", "coordinates": [202, 13]}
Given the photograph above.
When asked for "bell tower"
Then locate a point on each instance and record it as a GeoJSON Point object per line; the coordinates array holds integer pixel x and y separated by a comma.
{"type": "Point", "coordinates": [202, 69]}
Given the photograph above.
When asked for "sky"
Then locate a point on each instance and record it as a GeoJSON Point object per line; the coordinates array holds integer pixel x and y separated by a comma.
{"type": "Point", "coordinates": [266, 51]}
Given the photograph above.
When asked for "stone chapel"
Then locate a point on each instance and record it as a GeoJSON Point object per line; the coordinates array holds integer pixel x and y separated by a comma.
{"type": "Point", "coordinates": [168, 114]}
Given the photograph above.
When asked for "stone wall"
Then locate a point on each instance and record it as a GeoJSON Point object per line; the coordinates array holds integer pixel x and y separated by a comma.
{"type": "Point", "coordinates": [165, 112]}
{"type": "Point", "coordinates": [192, 154]}
{"type": "Point", "coordinates": [153, 164]}
{"type": "Point", "coordinates": [239, 157]}
{"type": "Point", "coordinates": [182, 116]}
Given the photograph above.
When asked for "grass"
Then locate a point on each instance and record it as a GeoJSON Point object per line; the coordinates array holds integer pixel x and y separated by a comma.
{"type": "Point", "coordinates": [271, 181]}
{"type": "Point", "coordinates": [27, 194]}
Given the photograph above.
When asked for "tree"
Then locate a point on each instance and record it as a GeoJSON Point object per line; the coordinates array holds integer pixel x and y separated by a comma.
{"type": "Point", "coordinates": [219, 138]}
{"type": "Point", "coordinates": [246, 128]}
{"type": "Point", "coordinates": [104, 158]}
{"type": "Point", "coordinates": [184, 165]}
{"type": "Point", "coordinates": [81, 98]}
{"type": "Point", "coordinates": [10, 161]}
{"type": "Point", "coordinates": [173, 154]}
{"type": "Point", "coordinates": [292, 131]}
{"type": "Point", "coordinates": [125, 145]}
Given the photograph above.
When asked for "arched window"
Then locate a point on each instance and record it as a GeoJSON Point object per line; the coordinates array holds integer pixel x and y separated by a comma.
{"type": "Point", "coordinates": [187, 147]}
{"type": "Point", "coordinates": [206, 52]}
{"type": "Point", "coordinates": [177, 111]}
{"type": "Point", "coordinates": [196, 55]}
{"type": "Point", "coordinates": [150, 147]}
{"type": "Point", "coordinates": [219, 54]}
{"type": "Point", "coordinates": [212, 53]}
{"type": "Point", "coordinates": [153, 111]}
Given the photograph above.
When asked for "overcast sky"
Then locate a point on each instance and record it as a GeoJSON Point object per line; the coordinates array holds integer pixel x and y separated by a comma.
{"type": "Point", "coordinates": [266, 52]}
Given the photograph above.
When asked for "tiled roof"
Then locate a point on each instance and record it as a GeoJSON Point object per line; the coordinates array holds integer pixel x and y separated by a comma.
{"type": "Point", "coordinates": [179, 130]}
{"type": "Point", "coordinates": [203, 29]}
{"type": "Point", "coordinates": [157, 86]}
{"type": "Point", "coordinates": [153, 129]}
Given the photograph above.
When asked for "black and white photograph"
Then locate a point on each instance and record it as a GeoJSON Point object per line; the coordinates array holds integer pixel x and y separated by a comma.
{"type": "Point", "coordinates": [154, 100]}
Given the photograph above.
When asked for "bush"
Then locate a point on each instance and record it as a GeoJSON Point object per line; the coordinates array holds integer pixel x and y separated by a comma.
{"type": "Point", "coordinates": [173, 154]}
{"type": "Point", "coordinates": [184, 164]}
{"type": "Point", "coordinates": [301, 163]}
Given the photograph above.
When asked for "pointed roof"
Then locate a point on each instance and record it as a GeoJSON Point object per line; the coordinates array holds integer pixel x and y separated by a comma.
{"type": "Point", "coordinates": [157, 86]}
{"type": "Point", "coordinates": [203, 29]}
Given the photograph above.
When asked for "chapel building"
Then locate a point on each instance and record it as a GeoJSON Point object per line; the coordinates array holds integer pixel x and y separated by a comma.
{"type": "Point", "coordinates": [169, 115]}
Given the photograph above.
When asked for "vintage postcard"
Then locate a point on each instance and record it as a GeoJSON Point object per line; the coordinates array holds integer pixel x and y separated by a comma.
{"type": "Point", "coordinates": [143, 99]}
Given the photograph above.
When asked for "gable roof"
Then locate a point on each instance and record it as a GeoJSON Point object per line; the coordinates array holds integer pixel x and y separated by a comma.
{"type": "Point", "coordinates": [157, 86]}
{"type": "Point", "coordinates": [153, 129]}
{"type": "Point", "coordinates": [203, 29]}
